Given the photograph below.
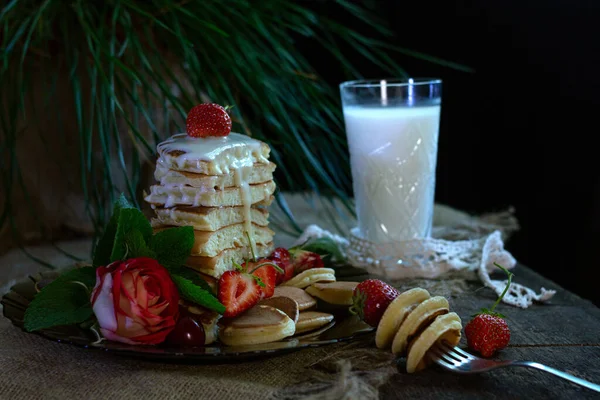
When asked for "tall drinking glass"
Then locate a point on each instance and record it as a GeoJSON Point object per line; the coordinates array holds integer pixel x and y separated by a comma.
{"type": "Point", "coordinates": [392, 128]}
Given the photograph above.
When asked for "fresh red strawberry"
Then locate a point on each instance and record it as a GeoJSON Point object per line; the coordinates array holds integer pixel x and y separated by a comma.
{"type": "Point", "coordinates": [238, 292]}
{"type": "Point", "coordinates": [281, 256]}
{"type": "Point", "coordinates": [208, 119]}
{"type": "Point", "coordinates": [304, 260]}
{"type": "Point", "coordinates": [370, 300]}
{"type": "Point", "coordinates": [488, 331]}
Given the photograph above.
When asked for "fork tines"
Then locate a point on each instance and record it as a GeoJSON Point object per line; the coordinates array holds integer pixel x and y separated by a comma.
{"type": "Point", "coordinates": [448, 356]}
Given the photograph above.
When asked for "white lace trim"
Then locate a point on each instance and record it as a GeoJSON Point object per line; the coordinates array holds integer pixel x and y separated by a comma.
{"type": "Point", "coordinates": [517, 294]}
{"type": "Point", "coordinates": [461, 246]}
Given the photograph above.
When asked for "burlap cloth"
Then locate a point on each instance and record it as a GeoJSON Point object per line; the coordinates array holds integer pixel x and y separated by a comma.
{"type": "Point", "coordinates": [37, 368]}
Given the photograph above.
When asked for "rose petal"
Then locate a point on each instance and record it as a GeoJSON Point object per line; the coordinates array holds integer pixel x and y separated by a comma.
{"type": "Point", "coordinates": [113, 336]}
{"type": "Point", "coordinates": [103, 305]}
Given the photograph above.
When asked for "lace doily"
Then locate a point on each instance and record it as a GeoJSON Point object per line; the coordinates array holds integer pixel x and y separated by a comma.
{"type": "Point", "coordinates": [461, 246]}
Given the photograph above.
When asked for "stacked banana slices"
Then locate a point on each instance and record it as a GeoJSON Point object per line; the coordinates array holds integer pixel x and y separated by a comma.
{"type": "Point", "coordinates": [413, 323]}
{"type": "Point", "coordinates": [294, 310]}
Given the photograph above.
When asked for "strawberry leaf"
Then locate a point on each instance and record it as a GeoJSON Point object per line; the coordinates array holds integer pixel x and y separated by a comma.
{"type": "Point", "coordinates": [104, 248]}
{"type": "Point", "coordinates": [130, 220]}
{"type": "Point", "coordinates": [173, 246]}
{"type": "Point", "coordinates": [326, 247]}
{"type": "Point", "coordinates": [64, 301]}
{"type": "Point", "coordinates": [194, 293]}
{"type": "Point", "coordinates": [191, 276]}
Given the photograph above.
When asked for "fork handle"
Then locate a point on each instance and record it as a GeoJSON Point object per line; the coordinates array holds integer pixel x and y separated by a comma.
{"type": "Point", "coordinates": [558, 373]}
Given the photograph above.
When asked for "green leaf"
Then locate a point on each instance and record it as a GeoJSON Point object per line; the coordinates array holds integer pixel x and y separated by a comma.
{"type": "Point", "coordinates": [173, 245]}
{"type": "Point", "coordinates": [63, 302]}
{"type": "Point", "coordinates": [323, 246]}
{"type": "Point", "coordinates": [192, 276]}
{"type": "Point", "coordinates": [194, 293]}
{"type": "Point", "coordinates": [130, 220]}
{"type": "Point", "coordinates": [136, 246]}
{"type": "Point", "coordinates": [105, 245]}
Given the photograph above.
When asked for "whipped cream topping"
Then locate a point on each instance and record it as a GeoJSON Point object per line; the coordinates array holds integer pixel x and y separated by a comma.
{"type": "Point", "coordinates": [226, 153]}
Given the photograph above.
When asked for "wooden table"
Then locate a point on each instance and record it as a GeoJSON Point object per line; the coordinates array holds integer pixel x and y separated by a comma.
{"type": "Point", "coordinates": [564, 334]}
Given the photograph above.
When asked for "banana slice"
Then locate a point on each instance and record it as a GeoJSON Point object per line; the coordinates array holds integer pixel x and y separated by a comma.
{"type": "Point", "coordinates": [310, 320]}
{"type": "Point", "coordinates": [445, 327]}
{"type": "Point", "coordinates": [304, 300]}
{"type": "Point", "coordinates": [310, 276]}
{"type": "Point", "coordinates": [417, 320]}
{"type": "Point", "coordinates": [260, 324]}
{"type": "Point", "coordinates": [395, 314]}
{"type": "Point", "coordinates": [338, 293]}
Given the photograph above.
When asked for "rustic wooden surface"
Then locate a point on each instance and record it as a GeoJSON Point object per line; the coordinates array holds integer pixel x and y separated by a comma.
{"type": "Point", "coordinates": [564, 334]}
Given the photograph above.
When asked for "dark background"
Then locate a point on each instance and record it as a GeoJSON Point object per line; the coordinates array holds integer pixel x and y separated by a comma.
{"type": "Point", "coordinates": [522, 129]}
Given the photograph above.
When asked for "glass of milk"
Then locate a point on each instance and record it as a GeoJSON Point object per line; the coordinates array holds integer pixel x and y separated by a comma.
{"type": "Point", "coordinates": [392, 128]}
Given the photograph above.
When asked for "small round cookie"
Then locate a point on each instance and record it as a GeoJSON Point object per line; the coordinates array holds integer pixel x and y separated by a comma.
{"type": "Point", "coordinates": [395, 314]}
{"type": "Point", "coordinates": [304, 300]}
{"type": "Point", "coordinates": [285, 304]}
{"type": "Point", "coordinates": [445, 327]}
{"type": "Point", "coordinates": [311, 320]}
{"type": "Point", "coordinates": [417, 320]}
{"type": "Point", "coordinates": [260, 324]}
{"type": "Point", "coordinates": [338, 293]}
{"type": "Point", "coordinates": [310, 276]}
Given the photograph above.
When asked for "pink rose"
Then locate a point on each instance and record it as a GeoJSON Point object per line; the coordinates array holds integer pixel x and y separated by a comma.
{"type": "Point", "coordinates": [135, 301]}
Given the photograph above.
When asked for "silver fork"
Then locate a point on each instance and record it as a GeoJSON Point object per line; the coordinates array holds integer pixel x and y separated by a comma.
{"type": "Point", "coordinates": [458, 360]}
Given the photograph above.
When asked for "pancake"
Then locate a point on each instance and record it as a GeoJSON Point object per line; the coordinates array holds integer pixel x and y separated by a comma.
{"type": "Point", "coordinates": [285, 304]}
{"type": "Point", "coordinates": [338, 293]}
{"type": "Point", "coordinates": [311, 276]}
{"type": "Point", "coordinates": [259, 173]}
{"type": "Point", "coordinates": [395, 314]}
{"type": "Point", "coordinates": [260, 324]}
{"type": "Point", "coordinates": [211, 155]}
{"type": "Point", "coordinates": [215, 266]}
{"type": "Point", "coordinates": [417, 320]}
{"type": "Point", "coordinates": [208, 218]}
{"type": "Point", "coordinates": [311, 320]}
{"type": "Point", "coordinates": [304, 300]}
{"type": "Point", "coordinates": [169, 196]}
{"type": "Point", "coordinates": [210, 244]}
{"type": "Point", "coordinates": [445, 327]}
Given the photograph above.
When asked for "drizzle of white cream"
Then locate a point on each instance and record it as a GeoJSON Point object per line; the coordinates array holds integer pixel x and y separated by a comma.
{"type": "Point", "coordinates": [225, 153]}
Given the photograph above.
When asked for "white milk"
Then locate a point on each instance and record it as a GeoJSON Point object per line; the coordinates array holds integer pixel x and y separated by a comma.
{"type": "Point", "coordinates": [393, 152]}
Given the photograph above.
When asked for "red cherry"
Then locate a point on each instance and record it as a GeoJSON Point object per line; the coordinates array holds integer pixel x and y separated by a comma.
{"type": "Point", "coordinates": [187, 333]}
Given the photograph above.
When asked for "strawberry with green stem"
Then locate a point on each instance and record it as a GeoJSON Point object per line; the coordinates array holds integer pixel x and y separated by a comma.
{"type": "Point", "coordinates": [488, 331]}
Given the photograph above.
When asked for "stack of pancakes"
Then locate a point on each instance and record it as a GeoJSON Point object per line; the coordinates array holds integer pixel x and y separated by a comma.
{"type": "Point", "coordinates": [221, 187]}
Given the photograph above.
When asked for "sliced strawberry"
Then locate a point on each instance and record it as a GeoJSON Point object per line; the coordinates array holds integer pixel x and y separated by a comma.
{"type": "Point", "coordinates": [304, 260]}
{"type": "Point", "coordinates": [238, 292]}
{"type": "Point", "coordinates": [268, 276]}
{"type": "Point", "coordinates": [282, 258]}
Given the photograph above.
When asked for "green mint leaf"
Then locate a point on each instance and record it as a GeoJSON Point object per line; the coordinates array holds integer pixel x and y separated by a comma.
{"type": "Point", "coordinates": [192, 276]}
{"type": "Point", "coordinates": [105, 245]}
{"type": "Point", "coordinates": [323, 246]}
{"type": "Point", "coordinates": [172, 246]}
{"type": "Point", "coordinates": [194, 293]}
{"type": "Point", "coordinates": [136, 246]}
{"type": "Point", "coordinates": [130, 220]}
{"type": "Point", "coordinates": [62, 302]}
